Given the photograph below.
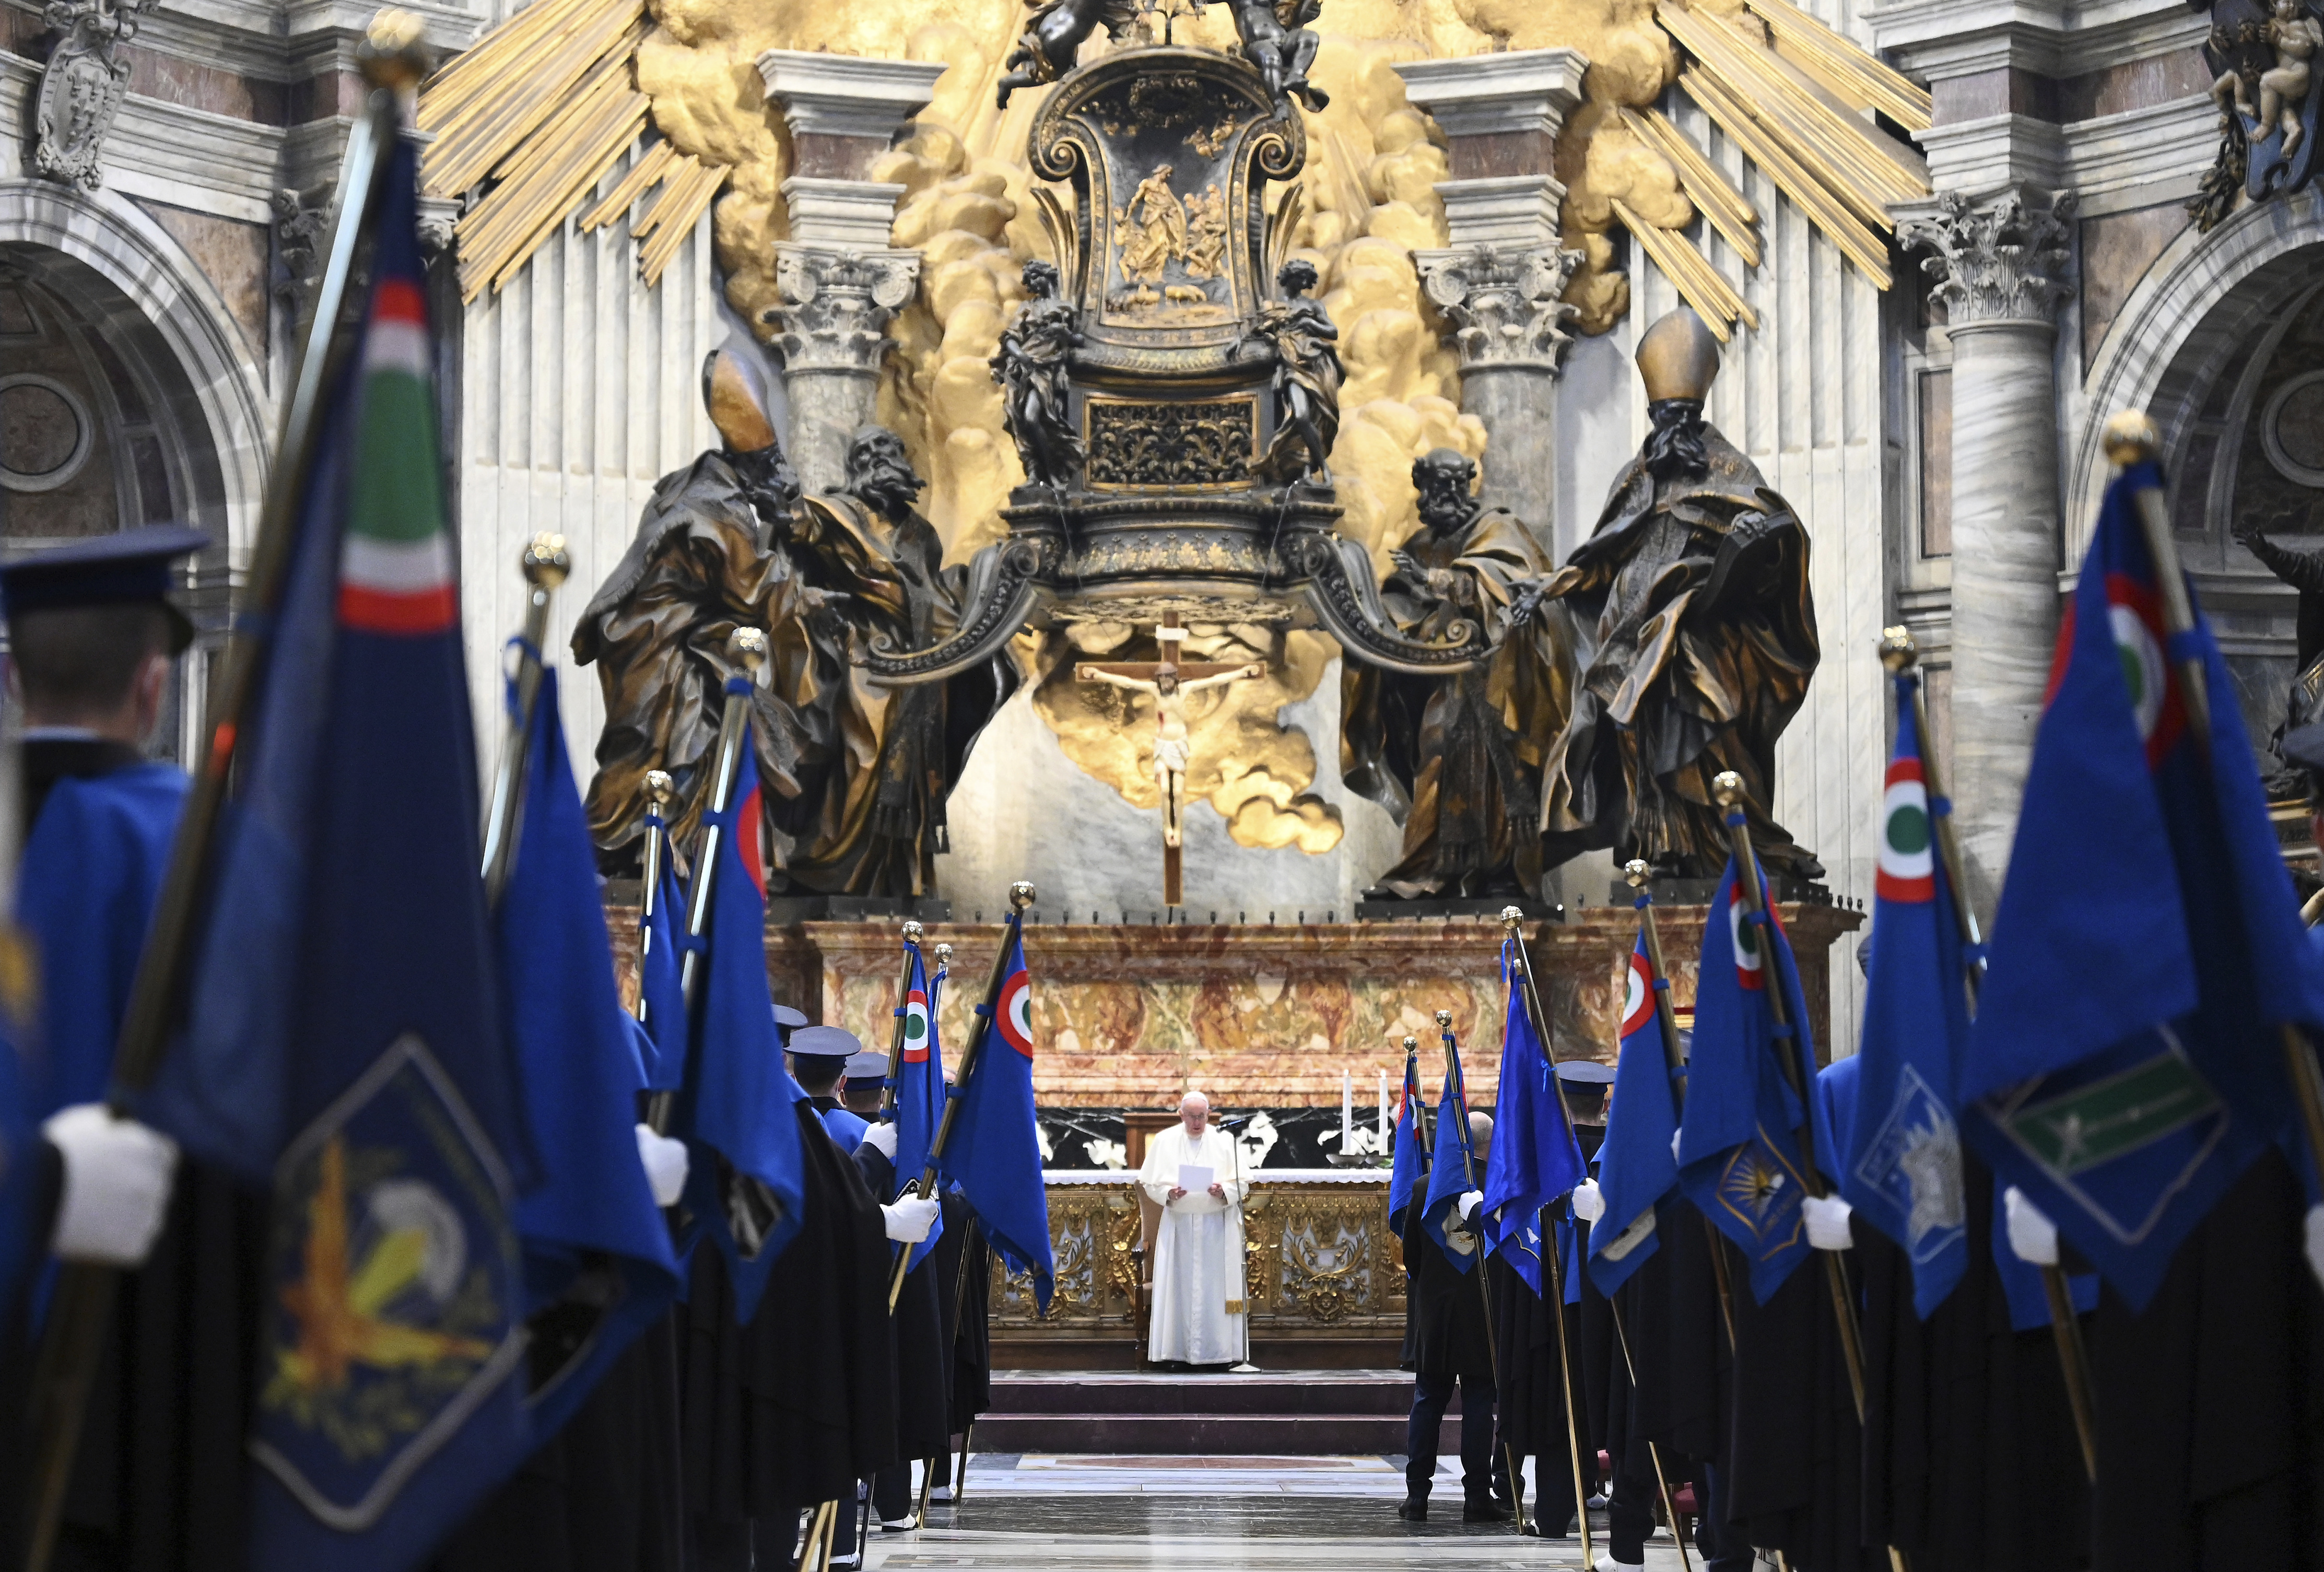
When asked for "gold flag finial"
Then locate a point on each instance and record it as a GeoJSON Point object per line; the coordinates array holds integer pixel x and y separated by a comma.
{"type": "Point", "coordinates": [1897, 650]}
{"type": "Point", "coordinates": [1636, 873]}
{"type": "Point", "coordinates": [544, 562]}
{"type": "Point", "coordinates": [395, 49]}
{"type": "Point", "coordinates": [2131, 435]}
{"type": "Point", "coordinates": [660, 787]}
{"type": "Point", "coordinates": [1444, 1019]}
{"type": "Point", "coordinates": [1727, 786]}
{"type": "Point", "coordinates": [1510, 917]}
{"type": "Point", "coordinates": [1411, 1045]}
{"type": "Point", "coordinates": [911, 933]}
{"type": "Point", "coordinates": [944, 955]}
{"type": "Point", "coordinates": [747, 648]}
{"type": "Point", "coordinates": [1020, 893]}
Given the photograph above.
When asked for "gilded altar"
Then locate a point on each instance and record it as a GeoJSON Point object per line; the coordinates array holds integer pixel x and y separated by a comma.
{"type": "Point", "coordinates": [1325, 1276]}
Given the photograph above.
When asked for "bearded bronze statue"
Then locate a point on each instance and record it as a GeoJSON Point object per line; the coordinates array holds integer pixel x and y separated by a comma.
{"type": "Point", "coordinates": [876, 762]}
{"type": "Point", "coordinates": [1691, 633]}
{"type": "Point", "coordinates": [1448, 755]}
{"type": "Point", "coordinates": [702, 564]}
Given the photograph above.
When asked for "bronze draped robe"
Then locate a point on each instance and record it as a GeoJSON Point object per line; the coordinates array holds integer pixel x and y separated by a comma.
{"type": "Point", "coordinates": [1690, 654]}
{"type": "Point", "coordinates": [876, 762]}
{"type": "Point", "coordinates": [698, 569]}
{"type": "Point", "coordinates": [1449, 755]}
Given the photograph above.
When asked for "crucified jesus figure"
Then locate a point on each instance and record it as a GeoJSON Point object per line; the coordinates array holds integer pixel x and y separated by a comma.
{"type": "Point", "coordinates": [1171, 732]}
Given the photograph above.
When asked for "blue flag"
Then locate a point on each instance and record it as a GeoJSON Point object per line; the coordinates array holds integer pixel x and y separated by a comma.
{"type": "Point", "coordinates": [1452, 1166]}
{"type": "Point", "coordinates": [1900, 1164]}
{"type": "Point", "coordinates": [919, 1076]}
{"type": "Point", "coordinates": [1740, 1158]}
{"type": "Point", "coordinates": [661, 938]}
{"type": "Point", "coordinates": [737, 1109]}
{"type": "Point", "coordinates": [596, 1245]}
{"type": "Point", "coordinates": [2125, 1066]}
{"type": "Point", "coordinates": [994, 1150]}
{"type": "Point", "coordinates": [1534, 1158]}
{"type": "Point", "coordinates": [1410, 1172]}
{"type": "Point", "coordinates": [1636, 1168]}
{"type": "Point", "coordinates": [390, 1364]}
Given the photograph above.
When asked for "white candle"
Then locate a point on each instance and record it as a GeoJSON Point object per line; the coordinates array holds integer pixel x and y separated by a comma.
{"type": "Point", "coordinates": [1384, 1126]}
{"type": "Point", "coordinates": [1347, 1111]}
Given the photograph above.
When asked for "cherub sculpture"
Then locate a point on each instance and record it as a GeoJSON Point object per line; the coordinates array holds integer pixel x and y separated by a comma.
{"type": "Point", "coordinates": [2295, 35]}
{"type": "Point", "coordinates": [1031, 371]}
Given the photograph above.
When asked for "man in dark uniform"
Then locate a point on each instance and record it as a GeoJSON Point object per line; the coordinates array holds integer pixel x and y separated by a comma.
{"type": "Point", "coordinates": [1446, 1342]}
{"type": "Point", "coordinates": [922, 1418]}
{"type": "Point", "coordinates": [157, 1481]}
{"type": "Point", "coordinates": [963, 1259]}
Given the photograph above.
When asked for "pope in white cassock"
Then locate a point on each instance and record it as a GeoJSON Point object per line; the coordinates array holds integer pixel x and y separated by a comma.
{"type": "Point", "coordinates": [1198, 1280]}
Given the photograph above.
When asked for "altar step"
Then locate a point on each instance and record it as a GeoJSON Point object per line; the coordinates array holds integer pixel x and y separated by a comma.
{"type": "Point", "coordinates": [1276, 1413]}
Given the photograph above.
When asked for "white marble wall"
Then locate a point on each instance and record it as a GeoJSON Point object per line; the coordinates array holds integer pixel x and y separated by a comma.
{"type": "Point", "coordinates": [579, 388]}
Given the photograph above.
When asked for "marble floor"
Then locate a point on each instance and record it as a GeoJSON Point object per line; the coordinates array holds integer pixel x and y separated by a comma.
{"type": "Point", "coordinates": [1128, 1515]}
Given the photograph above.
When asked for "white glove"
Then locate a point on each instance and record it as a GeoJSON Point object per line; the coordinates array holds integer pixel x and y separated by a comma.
{"type": "Point", "coordinates": [2316, 1242]}
{"type": "Point", "coordinates": [910, 1219]}
{"type": "Point", "coordinates": [1588, 1201]}
{"type": "Point", "coordinates": [117, 1186]}
{"type": "Point", "coordinates": [1827, 1220]}
{"type": "Point", "coordinates": [1468, 1204]}
{"type": "Point", "coordinates": [664, 1159]}
{"type": "Point", "coordinates": [882, 1139]}
{"type": "Point", "coordinates": [1674, 1136]}
{"type": "Point", "coordinates": [2035, 1237]}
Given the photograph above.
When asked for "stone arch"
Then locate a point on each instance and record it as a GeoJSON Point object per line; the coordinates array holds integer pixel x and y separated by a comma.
{"type": "Point", "coordinates": [171, 330]}
{"type": "Point", "coordinates": [2186, 328]}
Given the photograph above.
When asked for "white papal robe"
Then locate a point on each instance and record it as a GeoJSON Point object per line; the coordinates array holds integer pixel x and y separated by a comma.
{"type": "Point", "coordinates": [1198, 1283]}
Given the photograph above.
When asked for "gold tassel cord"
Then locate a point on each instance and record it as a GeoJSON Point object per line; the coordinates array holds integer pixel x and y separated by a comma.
{"type": "Point", "coordinates": [642, 178]}
{"type": "Point", "coordinates": [1706, 289]}
{"type": "Point", "coordinates": [1836, 59]}
{"type": "Point", "coordinates": [1859, 242]}
{"type": "Point", "coordinates": [1724, 208]}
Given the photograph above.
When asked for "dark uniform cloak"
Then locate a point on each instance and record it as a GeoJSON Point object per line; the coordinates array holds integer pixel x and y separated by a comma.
{"type": "Point", "coordinates": [2211, 1402]}
{"type": "Point", "coordinates": [1970, 1459]}
{"type": "Point", "coordinates": [795, 1407]}
{"type": "Point", "coordinates": [159, 1482]}
{"type": "Point", "coordinates": [1692, 634]}
{"type": "Point", "coordinates": [603, 1493]}
{"type": "Point", "coordinates": [1444, 1315]}
{"type": "Point", "coordinates": [1533, 1393]}
{"type": "Point", "coordinates": [963, 1259]}
{"type": "Point", "coordinates": [923, 1385]}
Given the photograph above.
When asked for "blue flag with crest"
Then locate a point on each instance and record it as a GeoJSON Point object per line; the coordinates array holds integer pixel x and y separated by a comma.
{"type": "Point", "coordinates": [993, 1153]}
{"type": "Point", "coordinates": [1409, 1170]}
{"type": "Point", "coordinates": [596, 1245]}
{"type": "Point", "coordinates": [1900, 1164]}
{"type": "Point", "coordinates": [2126, 1065]}
{"type": "Point", "coordinates": [918, 1075]}
{"type": "Point", "coordinates": [1534, 1158]}
{"type": "Point", "coordinates": [1452, 1168]}
{"type": "Point", "coordinates": [1635, 1166]}
{"type": "Point", "coordinates": [739, 1105]}
{"type": "Point", "coordinates": [1741, 1157]}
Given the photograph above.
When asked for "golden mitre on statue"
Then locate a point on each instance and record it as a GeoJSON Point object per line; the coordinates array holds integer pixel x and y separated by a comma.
{"type": "Point", "coordinates": [1678, 358]}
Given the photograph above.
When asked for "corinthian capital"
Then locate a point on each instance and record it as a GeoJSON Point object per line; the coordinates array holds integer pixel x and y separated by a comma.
{"type": "Point", "coordinates": [2005, 258]}
{"type": "Point", "coordinates": [837, 303]}
{"type": "Point", "coordinates": [1503, 304]}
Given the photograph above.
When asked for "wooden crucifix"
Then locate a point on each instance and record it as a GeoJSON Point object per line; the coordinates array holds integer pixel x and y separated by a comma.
{"type": "Point", "coordinates": [1169, 681]}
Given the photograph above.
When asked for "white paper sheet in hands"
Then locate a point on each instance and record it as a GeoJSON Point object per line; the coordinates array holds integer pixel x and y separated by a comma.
{"type": "Point", "coordinates": [1194, 1178]}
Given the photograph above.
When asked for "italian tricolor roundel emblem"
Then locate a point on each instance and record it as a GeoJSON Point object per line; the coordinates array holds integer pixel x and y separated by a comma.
{"type": "Point", "coordinates": [1015, 1017]}
{"type": "Point", "coordinates": [1638, 1004]}
{"type": "Point", "coordinates": [1907, 869]}
{"type": "Point", "coordinates": [1745, 933]}
{"type": "Point", "coordinates": [915, 1026]}
{"type": "Point", "coordinates": [2135, 618]}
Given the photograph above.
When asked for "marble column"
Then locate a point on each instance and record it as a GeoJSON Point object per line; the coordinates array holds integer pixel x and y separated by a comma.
{"type": "Point", "coordinates": [1497, 286]}
{"type": "Point", "coordinates": [839, 279]}
{"type": "Point", "coordinates": [2002, 262]}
